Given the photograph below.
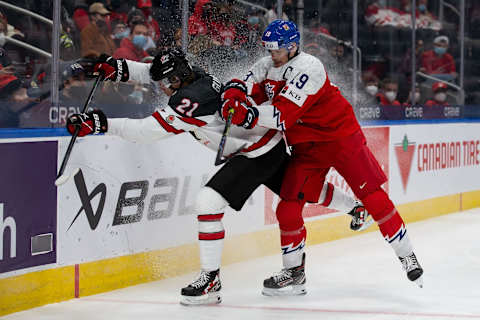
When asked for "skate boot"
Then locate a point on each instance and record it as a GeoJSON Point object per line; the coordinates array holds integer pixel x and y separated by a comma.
{"type": "Point", "coordinates": [361, 220]}
{"type": "Point", "coordinates": [289, 282]}
{"type": "Point", "coordinates": [204, 290]}
{"type": "Point", "coordinates": [413, 269]}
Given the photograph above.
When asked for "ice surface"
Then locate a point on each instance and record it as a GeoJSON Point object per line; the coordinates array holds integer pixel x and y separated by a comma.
{"type": "Point", "coordinates": [354, 278]}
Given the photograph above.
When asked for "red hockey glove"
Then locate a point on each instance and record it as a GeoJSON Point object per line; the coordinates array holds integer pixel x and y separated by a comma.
{"type": "Point", "coordinates": [93, 122]}
{"type": "Point", "coordinates": [112, 69]}
{"type": "Point", "coordinates": [235, 89]}
{"type": "Point", "coordinates": [244, 115]}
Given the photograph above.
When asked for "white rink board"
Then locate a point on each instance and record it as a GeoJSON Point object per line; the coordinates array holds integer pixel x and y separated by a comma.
{"type": "Point", "coordinates": [426, 179]}
{"type": "Point", "coordinates": [112, 161]}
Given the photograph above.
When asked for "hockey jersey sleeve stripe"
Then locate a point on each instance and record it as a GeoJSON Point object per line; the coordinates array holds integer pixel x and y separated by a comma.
{"type": "Point", "coordinates": [194, 121]}
{"type": "Point", "coordinates": [164, 124]}
{"type": "Point", "coordinates": [211, 236]}
{"type": "Point", "coordinates": [210, 217]}
{"type": "Point", "coordinates": [263, 141]}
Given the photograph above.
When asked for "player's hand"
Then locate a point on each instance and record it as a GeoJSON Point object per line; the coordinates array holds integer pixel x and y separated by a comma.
{"type": "Point", "coordinates": [244, 114]}
{"type": "Point", "coordinates": [111, 68]}
{"type": "Point", "coordinates": [92, 122]}
{"type": "Point", "coordinates": [235, 89]}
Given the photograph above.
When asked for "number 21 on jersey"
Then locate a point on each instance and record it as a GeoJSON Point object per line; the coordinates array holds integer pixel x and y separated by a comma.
{"type": "Point", "coordinates": [187, 107]}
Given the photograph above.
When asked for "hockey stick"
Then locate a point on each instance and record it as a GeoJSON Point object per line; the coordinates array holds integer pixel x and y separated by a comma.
{"type": "Point", "coordinates": [221, 147]}
{"type": "Point", "coordinates": [62, 178]}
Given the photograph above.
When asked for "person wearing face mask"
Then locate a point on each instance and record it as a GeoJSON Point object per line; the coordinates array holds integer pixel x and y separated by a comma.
{"type": "Point", "coordinates": [131, 47]}
{"type": "Point", "coordinates": [439, 95]}
{"type": "Point", "coordinates": [417, 97]}
{"type": "Point", "coordinates": [119, 31]}
{"type": "Point", "coordinates": [96, 37]}
{"type": "Point", "coordinates": [388, 95]}
{"type": "Point", "coordinates": [438, 62]}
{"type": "Point", "coordinates": [152, 25]}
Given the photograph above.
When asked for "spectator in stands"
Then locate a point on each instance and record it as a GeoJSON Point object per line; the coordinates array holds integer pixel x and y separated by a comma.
{"type": "Point", "coordinates": [203, 14]}
{"type": "Point", "coordinates": [424, 19]}
{"type": "Point", "coordinates": [152, 25]}
{"type": "Point", "coordinates": [119, 10]}
{"type": "Point", "coordinates": [8, 30]}
{"type": "Point", "coordinates": [438, 62]}
{"type": "Point", "coordinates": [8, 117]}
{"type": "Point", "coordinates": [406, 64]}
{"type": "Point", "coordinates": [69, 37]}
{"type": "Point", "coordinates": [370, 82]}
{"type": "Point", "coordinates": [388, 95]}
{"type": "Point", "coordinates": [131, 47]}
{"type": "Point", "coordinates": [12, 89]}
{"type": "Point", "coordinates": [119, 31]}
{"type": "Point", "coordinates": [367, 93]}
{"type": "Point", "coordinates": [272, 13]}
{"type": "Point", "coordinates": [439, 90]}
{"type": "Point", "coordinates": [80, 14]}
{"type": "Point", "coordinates": [75, 89]}
{"type": "Point", "coordinates": [255, 27]}
{"type": "Point", "coordinates": [14, 100]}
{"type": "Point", "coordinates": [417, 97]}
{"type": "Point", "coordinates": [96, 37]}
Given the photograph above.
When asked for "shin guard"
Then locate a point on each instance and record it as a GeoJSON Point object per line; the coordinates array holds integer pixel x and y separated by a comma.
{"type": "Point", "coordinates": [209, 207]}
{"type": "Point", "coordinates": [391, 224]}
{"type": "Point", "coordinates": [292, 232]}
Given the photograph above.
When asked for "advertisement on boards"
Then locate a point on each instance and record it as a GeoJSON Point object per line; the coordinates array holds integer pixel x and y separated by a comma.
{"type": "Point", "coordinates": [433, 161]}
{"type": "Point", "coordinates": [28, 204]}
{"type": "Point", "coordinates": [128, 198]}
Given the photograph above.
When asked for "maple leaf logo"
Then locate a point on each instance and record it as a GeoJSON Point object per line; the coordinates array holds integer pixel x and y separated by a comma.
{"type": "Point", "coordinates": [405, 152]}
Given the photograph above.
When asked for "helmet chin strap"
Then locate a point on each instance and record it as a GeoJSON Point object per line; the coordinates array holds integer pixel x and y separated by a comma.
{"type": "Point", "coordinates": [297, 51]}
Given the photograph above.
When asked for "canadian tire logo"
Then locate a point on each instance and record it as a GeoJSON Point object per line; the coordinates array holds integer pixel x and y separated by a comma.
{"type": "Point", "coordinates": [405, 152]}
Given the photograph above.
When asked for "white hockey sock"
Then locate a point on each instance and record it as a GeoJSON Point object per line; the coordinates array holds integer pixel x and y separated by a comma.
{"type": "Point", "coordinates": [210, 236]}
{"type": "Point", "coordinates": [209, 207]}
{"type": "Point", "coordinates": [400, 242]}
{"type": "Point", "coordinates": [334, 198]}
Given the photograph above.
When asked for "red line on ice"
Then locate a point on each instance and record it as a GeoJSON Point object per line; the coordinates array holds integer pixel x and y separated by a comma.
{"type": "Point", "coordinates": [319, 310]}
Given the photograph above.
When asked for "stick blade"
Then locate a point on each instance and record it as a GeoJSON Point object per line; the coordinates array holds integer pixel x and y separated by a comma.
{"type": "Point", "coordinates": [64, 177]}
{"type": "Point", "coordinates": [61, 180]}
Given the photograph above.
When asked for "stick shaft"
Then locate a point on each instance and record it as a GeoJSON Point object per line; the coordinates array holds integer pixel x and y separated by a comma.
{"type": "Point", "coordinates": [77, 130]}
{"type": "Point", "coordinates": [223, 140]}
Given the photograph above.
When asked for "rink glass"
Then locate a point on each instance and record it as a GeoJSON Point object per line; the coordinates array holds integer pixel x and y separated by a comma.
{"type": "Point", "coordinates": [40, 39]}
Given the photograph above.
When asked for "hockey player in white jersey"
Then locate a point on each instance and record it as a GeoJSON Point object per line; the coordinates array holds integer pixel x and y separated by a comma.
{"type": "Point", "coordinates": [193, 108]}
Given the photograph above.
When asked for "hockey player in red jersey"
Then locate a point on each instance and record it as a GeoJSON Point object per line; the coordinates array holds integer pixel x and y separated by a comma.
{"type": "Point", "coordinates": [193, 108]}
{"type": "Point", "coordinates": [290, 91]}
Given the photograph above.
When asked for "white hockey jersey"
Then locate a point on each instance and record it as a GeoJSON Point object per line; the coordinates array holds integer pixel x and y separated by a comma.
{"type": "Point", "coordinates": [192, 109]}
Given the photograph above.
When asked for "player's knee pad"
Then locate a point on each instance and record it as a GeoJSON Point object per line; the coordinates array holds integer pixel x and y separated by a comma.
{"type": "Point", "coordinates": [209, 201]}
{"type": "Point", "coordinates": [289, 215]}
{"type": "Point", "coordinates": [378, 205]}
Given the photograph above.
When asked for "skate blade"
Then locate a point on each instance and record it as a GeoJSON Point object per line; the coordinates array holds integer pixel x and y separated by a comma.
{"type": "Point", "coordinates": [206, 299]}
{"type": "Point", "coordinates": [297, 290]}
{"type": "Point", "coordinates": [419, 282]}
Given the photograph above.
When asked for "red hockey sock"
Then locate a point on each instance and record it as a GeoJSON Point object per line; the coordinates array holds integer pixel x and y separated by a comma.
{"type": "Point", "coordinates": [292, 232]}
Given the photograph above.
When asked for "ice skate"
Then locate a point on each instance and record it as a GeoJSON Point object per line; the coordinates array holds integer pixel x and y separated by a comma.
{"type": "Point", "coordinates": [289, 282]}
{"type": "Point", "coordinates": [413, 269]}
{"type": "Point", "coordinates": [204, 290]}
{"type": "Point", "coordinates": [361, 220]}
